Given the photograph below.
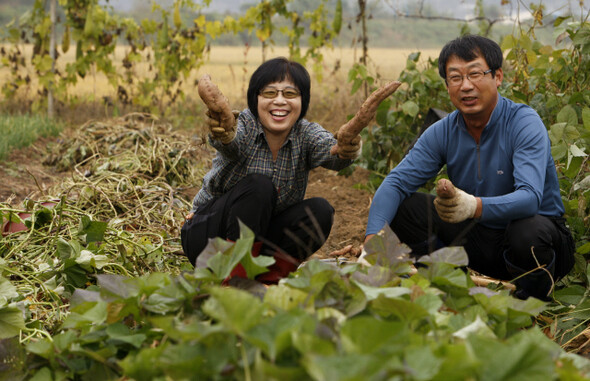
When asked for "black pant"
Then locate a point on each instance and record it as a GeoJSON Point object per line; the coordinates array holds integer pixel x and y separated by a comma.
{"type": "Point", "coordinates": [299, 231]}
{"type": "Point", "coordinates": [418, 225]}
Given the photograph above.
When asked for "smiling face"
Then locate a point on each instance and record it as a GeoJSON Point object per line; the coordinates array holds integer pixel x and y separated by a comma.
{"type": "Point", "coordinates": [278, 115]}
{"type": "Point", "coordinates": [475, 100]}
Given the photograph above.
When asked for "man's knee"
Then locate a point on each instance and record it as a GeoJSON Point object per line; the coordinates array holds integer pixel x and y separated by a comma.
{"type": "Point", "coordinates": [527, 233]}
{"type": "Point", "coordinates": [530, 241]}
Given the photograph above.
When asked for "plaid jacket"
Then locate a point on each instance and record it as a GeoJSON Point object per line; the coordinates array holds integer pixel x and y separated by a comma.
{"type": "Point", "coordinates": [307, 146]}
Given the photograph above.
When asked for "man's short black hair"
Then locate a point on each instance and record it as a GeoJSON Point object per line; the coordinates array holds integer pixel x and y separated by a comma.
{"type": "Point", "coordinates": [276, 70]}
{"type": "Point", "coordinates": [468, 48]}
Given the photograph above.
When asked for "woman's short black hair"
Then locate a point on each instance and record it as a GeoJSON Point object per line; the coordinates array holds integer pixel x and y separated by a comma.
{"type": "Point", "coordinates": [276, 70]}
{"type": "Point", "coordinates": [468, 48]}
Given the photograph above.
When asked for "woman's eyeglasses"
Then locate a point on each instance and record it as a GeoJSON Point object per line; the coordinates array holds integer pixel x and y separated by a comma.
{"type": "Point", "coordinates": [289, 92]}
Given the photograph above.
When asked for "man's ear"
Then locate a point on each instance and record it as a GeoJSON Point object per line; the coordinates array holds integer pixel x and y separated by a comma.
{"type": "Point", "coordinates": [499, 77]}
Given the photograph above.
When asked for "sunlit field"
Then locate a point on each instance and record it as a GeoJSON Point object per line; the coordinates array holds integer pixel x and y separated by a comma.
{"type": "Point", "coordinates": [231, 67]}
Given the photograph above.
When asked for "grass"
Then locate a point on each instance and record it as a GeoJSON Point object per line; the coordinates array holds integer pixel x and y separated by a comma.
{"type": "Point", "coordinates": [21, 131]}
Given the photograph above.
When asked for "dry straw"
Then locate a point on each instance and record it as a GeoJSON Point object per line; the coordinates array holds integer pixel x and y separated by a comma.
{"type": "Point", "coordinates": [125, 174]}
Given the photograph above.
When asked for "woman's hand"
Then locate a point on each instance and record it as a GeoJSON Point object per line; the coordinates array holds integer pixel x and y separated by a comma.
{"type": "Point", "coordinates": [347, 134]}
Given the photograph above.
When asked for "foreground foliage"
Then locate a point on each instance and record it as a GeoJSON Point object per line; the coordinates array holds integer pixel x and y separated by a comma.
{"type": "Point", "coordinates": [325, 322]}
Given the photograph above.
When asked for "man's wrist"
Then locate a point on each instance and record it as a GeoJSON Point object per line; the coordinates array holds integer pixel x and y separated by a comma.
{"type": "Point", "coordinates": [478, 208]}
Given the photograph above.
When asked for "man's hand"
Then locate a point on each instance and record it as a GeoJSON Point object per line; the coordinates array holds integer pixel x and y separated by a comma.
{"type": "Point", "coordinates": [213, 122]}
{"type": "Point", "coordinates": [452, 204]}
{"type": "Point", "coordinates": [347, 148]}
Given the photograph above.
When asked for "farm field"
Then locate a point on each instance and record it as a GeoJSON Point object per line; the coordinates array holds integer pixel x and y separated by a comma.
{"type": "Point", "coordinates": [104, 286]}
{"type": "Point", "coordinates": [231, 66]}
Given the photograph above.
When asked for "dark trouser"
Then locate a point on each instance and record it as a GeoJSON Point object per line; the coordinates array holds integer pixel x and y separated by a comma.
{"type": "Point", "coordinates": [299, 231]}
{"type": "Point", "coordinates": [499, 253]}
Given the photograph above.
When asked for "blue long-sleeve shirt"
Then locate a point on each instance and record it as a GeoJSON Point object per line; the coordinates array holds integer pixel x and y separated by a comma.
{"type": "Point", "coordinates": [511, 169]}
{"type": "Point", "coordinates": [307, 146]}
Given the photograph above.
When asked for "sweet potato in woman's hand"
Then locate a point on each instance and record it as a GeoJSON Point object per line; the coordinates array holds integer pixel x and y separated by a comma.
{"type": "Point", "coordinates": [218, 110]}
{"type": "Point", "coordinates": [363, 116]}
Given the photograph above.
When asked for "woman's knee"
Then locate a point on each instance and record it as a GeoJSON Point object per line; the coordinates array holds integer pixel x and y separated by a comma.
{"type": "Point", "coordinates": [258, 186]}
{"type": "Point", "coordinates": [323, 212]}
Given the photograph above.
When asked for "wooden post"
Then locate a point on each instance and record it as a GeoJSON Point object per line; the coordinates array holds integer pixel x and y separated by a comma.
{"type": "Point", "coordinates": [52, 43]}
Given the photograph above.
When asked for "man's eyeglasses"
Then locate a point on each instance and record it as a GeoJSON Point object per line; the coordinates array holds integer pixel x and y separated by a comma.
{"type": "Point", "coordinates": [473, 77]}
{"type": "Point", "coordinates": [289, 92]}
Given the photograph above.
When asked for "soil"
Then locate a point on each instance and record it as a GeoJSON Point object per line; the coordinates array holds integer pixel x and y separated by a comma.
{"type": "Point", "coordinates": [23, 175]}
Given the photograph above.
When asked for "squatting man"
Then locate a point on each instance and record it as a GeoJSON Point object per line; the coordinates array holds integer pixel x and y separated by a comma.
{"type": "Point", "coordinates": [501, 200]}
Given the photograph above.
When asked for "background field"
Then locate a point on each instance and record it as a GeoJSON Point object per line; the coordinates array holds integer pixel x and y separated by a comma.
{"type": "Point", "coordinates": [231, 68]}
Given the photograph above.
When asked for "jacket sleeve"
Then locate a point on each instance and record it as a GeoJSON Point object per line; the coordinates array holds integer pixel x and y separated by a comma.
{"type": "Point", "coordinates": [318, 143]}
{"type": "Point", "coordinates": [531, 150]}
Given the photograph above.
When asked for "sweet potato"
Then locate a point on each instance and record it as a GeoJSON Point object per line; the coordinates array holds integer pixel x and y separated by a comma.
{"type": "Point", "coordinates": [445, 188]}
{"type": "Point", "coordinates": [216, 102]}
{"type": "Point", "coordinates": [367, 111]}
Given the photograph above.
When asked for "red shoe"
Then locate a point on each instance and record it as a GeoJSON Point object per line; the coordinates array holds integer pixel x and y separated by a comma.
{"type": "Point", "coordinates": [283, 266]}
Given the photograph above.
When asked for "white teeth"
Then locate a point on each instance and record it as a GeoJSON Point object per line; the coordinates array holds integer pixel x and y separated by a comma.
{"type": "Point", "coordinates": [278, 113]}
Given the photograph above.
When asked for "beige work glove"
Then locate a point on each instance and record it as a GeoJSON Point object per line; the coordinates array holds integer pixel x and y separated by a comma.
{"type": "Point", "coordinates": [217, 132]}
{"type": "Point", "coordinates": [452, 204]}
{"type": "Point", "coordinates": [347, 148]}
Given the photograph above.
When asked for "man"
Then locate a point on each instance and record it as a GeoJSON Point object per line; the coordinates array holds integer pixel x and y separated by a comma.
{"type": "Point", "coordinates": [506, 209]}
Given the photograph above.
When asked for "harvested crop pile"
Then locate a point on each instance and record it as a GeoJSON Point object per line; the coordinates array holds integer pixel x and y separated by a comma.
{"type": "Point", "coordinates": [118, 210]}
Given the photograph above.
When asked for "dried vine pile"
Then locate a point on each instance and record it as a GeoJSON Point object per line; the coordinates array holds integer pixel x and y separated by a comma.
{"type": "Point", "coordinates": [117, 210]}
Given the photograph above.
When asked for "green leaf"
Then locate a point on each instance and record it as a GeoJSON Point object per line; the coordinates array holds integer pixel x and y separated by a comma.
{"type": "Point", "coordinates": [522, 358]}
{"type": "Point", "coordinates": [570, 295]}
{"type": "Point", "coordinates": [364, 335]}
{"type": "Point", "coordinates": [559, 151]}
{"type": "Point", "coordinates": [86, 314]}
{"type": "Point", "coordinates": [42, 347]}
{"type": "Point", "coordinates": [285, 298]}
{"type": "Point", "coordinates": [410, 108]}
{"type": "Point", "coordinates": [567, 115]}
{"type": "Point", "coordinates": [273, 336]}
{"type": "Point", "coordinates": [7, 291]}
{"type": "Point", "coordinates": [404, 310]}
{"type": "Point", "coordinates": [11, 322]}
{"type": "Point", "coordinates": [372, 293]}
{"type": "Point", "coordinates": [89, 260]}
{"type": "Point", "coordinates": [93, 230]}
{"type": "Point", "coordinates": [385, 249]}
{"type": "Point", "coordinates": [118, 285]}
{"type": "Point", "coordinates": [422, 362]}
{"type": "Point", "coordinates": [237, 310]}
{"type": "Point", "coordinates": [478, 327]}
{"type": "Point", "coordinates": [343, 367]}
{"type": "Point", "coordinates": [243, 249]}
{"type": "Point", "coordinates": [586, 117]}
{"type": "Point", "coordinates": [576, 152]}
{"type": "Point", "coordinates": [220, 262]}
{"type": "Point", "coordinates": [455, 255]}
{"type": "Point", "coordinates": [121, 333]}
{"type": "Point", "coordinates": [68, 249]}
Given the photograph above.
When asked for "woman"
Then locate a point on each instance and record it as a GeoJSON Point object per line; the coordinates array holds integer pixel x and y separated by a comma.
{"type": "Point", "coordinates": [259, 175]}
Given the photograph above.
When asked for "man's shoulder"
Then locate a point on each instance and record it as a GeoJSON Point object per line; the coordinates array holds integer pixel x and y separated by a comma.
{"type": "Point", "coordinates": [513, 107]}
